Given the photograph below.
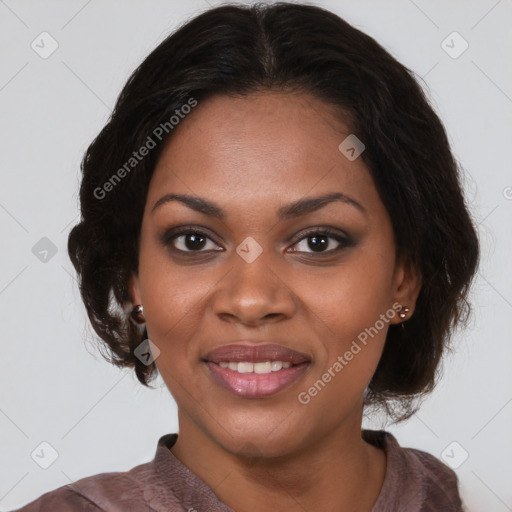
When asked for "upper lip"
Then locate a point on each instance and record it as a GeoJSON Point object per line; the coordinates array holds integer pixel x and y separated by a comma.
{"type": "Point", "coordinates": [253, 353]}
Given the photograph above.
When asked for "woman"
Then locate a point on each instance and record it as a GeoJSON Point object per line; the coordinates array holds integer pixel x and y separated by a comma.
{"type": "Point", "coordinates": [272, 219]}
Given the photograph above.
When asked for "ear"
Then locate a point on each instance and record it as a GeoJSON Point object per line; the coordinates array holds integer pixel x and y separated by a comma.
{"type": "Point", "coordinates": [406, 286]}
{"type": "Point", "coordinates": [134, 287]}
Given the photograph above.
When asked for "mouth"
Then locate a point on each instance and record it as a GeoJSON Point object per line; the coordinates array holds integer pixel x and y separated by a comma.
{"type": "Point", "coordinates": [255, 371]}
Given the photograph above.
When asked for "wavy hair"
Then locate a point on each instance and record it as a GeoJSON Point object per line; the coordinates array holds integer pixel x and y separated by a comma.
{"type": "Point", "coordinates": [238, 50]}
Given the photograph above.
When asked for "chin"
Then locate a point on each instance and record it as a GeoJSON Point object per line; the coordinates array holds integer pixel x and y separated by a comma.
{"type": "Point", "coordinates": [256, 442]}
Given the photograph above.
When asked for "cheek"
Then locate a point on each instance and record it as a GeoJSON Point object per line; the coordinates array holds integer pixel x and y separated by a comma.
{"type": "Point", "coordinates": [352, 334]}
{"type": "Point", "coordinates": [353, 295]}
{"type": "Point", "coordinates": [351, 311]}
{"type": "Point", "coordinates": [169, 291]}
{"type": "Point", "coordinates": [172, 298]}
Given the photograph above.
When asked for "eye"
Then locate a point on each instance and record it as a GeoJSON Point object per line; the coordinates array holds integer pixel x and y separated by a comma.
{"type": "Point", "coordinates": [189, 240]}
{"type": "Point", "coordinates": [322, 241]}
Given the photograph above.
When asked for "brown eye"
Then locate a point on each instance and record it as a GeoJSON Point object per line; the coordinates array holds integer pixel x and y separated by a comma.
{"type": "Point", "coordinates": [322, 242]}
{"type": "Point", "coordinates": [191, 241]}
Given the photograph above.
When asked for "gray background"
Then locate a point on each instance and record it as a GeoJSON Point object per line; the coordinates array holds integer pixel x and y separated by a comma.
{"type": "Point", "coordinates": [56, 388]}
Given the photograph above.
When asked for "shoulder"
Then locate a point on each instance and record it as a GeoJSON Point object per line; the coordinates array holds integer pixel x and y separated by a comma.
{"type": "Point", "coordinates": [117, 491]}
{"type": "Point", "coordinates": [415, 480]}
{"type": "Point", "coordinates": [125, 491]}
{"type": "Point", "coordinates": [63, 499]}
{"type": "Point", "coordinates": [143, 486]}
{"type": "Point", "coordinates": [440, 484]}
{"type": "Point", "coordinates": [437, 474]}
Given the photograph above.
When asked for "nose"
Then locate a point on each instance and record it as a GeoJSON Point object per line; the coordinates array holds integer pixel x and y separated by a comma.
{"type": "Point", "coordinates": [254, 293]}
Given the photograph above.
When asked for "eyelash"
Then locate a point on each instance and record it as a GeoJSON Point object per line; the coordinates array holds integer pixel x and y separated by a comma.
{"type": "Point", "coordinates": [343, 240]}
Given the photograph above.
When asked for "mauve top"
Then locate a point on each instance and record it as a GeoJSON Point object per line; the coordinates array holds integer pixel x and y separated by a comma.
{"type": "Point", "coordinates": [415, 481]}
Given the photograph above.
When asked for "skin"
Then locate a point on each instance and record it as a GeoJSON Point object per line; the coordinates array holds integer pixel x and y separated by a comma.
{"type": "Point", "coordinates": [250, 156]}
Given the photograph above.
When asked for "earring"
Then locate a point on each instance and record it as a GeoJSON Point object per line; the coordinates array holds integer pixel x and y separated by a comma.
{"type": "Point", "coordinates": [137, 314]}
{"type": "Point", "coordinates": [403, 312]}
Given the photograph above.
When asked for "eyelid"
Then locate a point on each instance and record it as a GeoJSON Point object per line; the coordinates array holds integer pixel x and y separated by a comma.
{"type": "Point", "coordinates": [340, 236]}
{"type": "Point", "coordinates": [176, 231]}
{"type": "Point", "coordinates": [322, 230]}
{"type": "Point", "coordinates": [170, 239]}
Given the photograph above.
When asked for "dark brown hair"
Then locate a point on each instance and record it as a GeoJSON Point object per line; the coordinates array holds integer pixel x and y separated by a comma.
{"type": "Point", "coordinates": [282, 46]}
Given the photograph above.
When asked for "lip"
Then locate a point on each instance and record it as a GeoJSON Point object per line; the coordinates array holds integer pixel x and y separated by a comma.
{"type": "Point", "coordinates": [253, 353]}
{"type": "Point", "coordinates": [254, 385]}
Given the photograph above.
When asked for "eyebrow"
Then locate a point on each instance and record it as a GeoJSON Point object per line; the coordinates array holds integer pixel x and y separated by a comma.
{"type": "Point", "coordinates": [290, 211]}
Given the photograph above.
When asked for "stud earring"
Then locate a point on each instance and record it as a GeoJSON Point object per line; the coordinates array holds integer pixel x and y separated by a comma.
{"type": "Point", "coordinates": [137, 314]}
{"type": "Point", "coordinates": [403, 312]}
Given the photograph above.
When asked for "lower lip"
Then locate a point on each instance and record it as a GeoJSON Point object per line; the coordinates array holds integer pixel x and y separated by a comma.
{"type": "Point", "coordinates": [256, 385]}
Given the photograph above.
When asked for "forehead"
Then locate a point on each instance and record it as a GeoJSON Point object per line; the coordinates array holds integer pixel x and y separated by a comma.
{"type": "Point", "coordinates": [265, 146]}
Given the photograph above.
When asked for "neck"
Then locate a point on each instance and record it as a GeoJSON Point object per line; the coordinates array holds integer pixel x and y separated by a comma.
{"type": "Point", "coordinates": [338, 471]}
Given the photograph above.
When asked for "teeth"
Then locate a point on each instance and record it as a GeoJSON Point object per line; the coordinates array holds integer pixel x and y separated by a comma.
{"type": "Point", "coordinates": [245, 367]}
{"type": "Point", "coordinates": [262, 367]}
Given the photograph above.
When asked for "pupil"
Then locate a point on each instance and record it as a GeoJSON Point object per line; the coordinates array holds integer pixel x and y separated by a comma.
{"type": "Point", "coordinates": [318, 246]}
{"type": "Point", "coordinates": [196, 241]}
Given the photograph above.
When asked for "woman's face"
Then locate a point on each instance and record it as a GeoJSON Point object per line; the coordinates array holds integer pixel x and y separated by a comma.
{"type": "Point", "coordinates": [262, 271]}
